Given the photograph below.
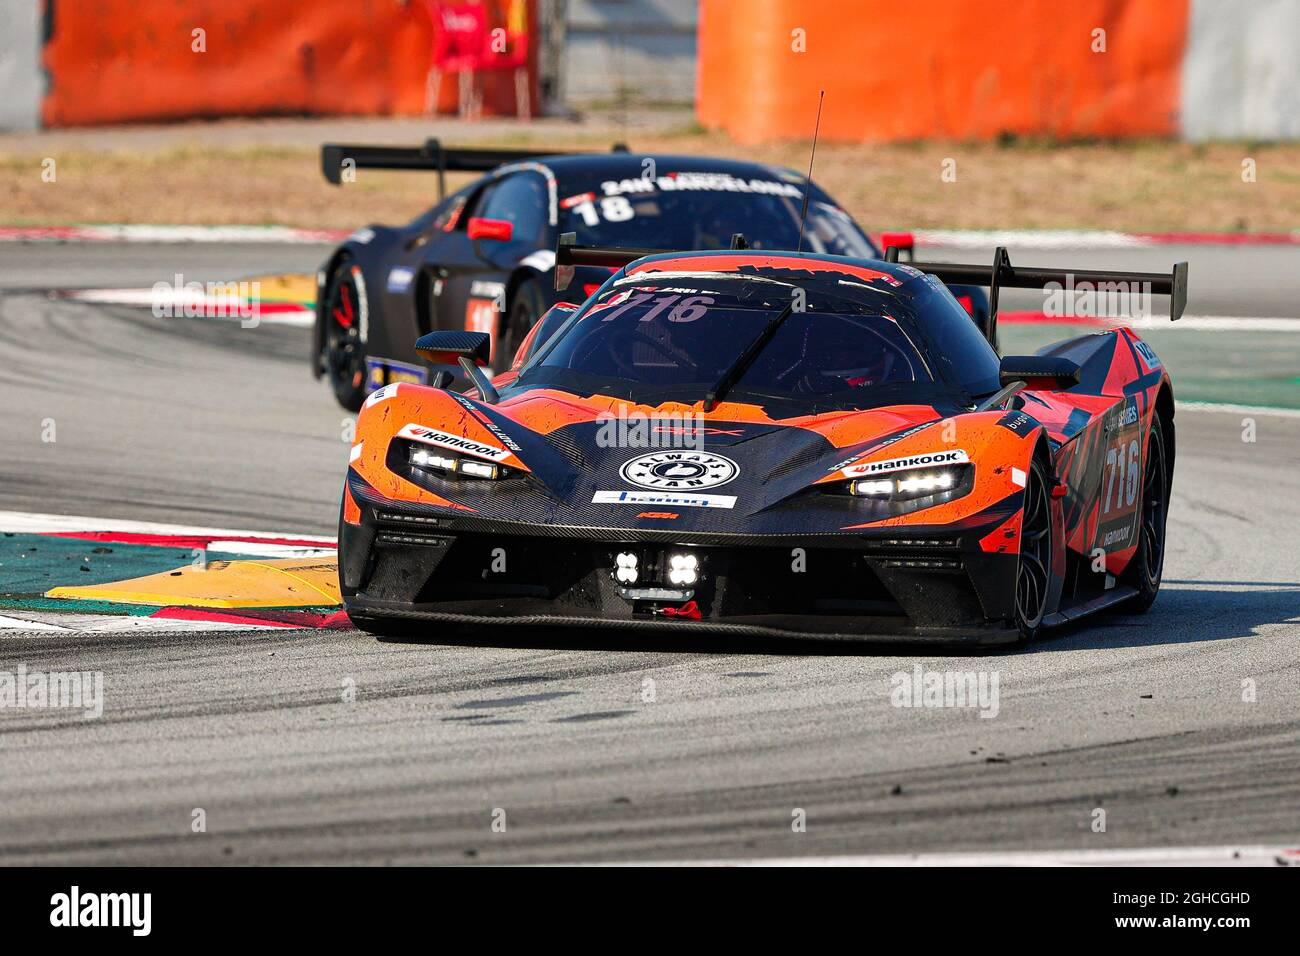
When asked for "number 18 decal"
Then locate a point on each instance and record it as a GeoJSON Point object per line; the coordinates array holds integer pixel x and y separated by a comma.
{"type": "Point", "coordinates": [1122, 470]}
{"type": "Point", "coordinates": [612, 208]}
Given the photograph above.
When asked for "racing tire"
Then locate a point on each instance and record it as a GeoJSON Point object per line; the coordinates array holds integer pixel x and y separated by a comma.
{"type": "Point", "coordinates": [1033, 569]}
{"type": "Point", "coordinates": [343, 352]}
{"type": "Point", "coordinates": [1144, 571]}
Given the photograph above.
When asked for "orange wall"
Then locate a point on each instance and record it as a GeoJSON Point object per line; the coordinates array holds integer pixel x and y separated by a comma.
{"type": "Point", "coordinates": [948, 69]}
{"type": "Point", "coordinates": [130, 60]}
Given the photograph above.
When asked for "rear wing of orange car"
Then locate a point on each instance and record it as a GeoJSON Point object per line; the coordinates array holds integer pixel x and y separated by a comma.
{"type": "Point", "coordinates": [1000, 275]}
{"type": "Point", "coordinates": [1003, 275]}
{"type": "Point", "coordinates": [430, 157]}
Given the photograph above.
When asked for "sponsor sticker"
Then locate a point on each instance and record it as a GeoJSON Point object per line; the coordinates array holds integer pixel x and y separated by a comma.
{"type": "Point", "coordinates": [664, 498]}
{"type": "Point", "coordinates": [952, 456]}
{"type": "Point", "coordinates": [686, 470]}
{"type": "Point", "coordinates": [382, 371]}
{"type": "Point", "coordinates": [1148, 354]}
{"type": "Point", "coordinates": [542, 260]}
{"type": "Point", "coordinates": [1017, 422]}
{"type": "Point", "coordinates": [431, 436]}
{"type": "Point", "coordinates": [1119, 418]}
{"type": "Point", "coordinates": [380, 394]}
{"type": "Point", "coordinates": [399, 278]}
{"type": "Point", "coordinates": [698, 181]}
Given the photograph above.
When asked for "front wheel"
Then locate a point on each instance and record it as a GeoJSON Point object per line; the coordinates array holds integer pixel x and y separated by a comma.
{"type": "Point", "coordinates": [1148, 563]}
{"type": "Point", "coordinates": [1033, 571]}
{"type": "Point", "coordinates": [344, 356]}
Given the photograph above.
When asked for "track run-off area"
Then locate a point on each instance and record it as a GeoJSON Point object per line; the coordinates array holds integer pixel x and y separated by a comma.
{"type": "Point", "coordinates": [303, 740]}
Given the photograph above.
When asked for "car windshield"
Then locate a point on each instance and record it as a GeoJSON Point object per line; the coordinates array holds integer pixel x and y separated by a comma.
{"type": "Point", "coordinates": [704, 210]}
{"type": "Point", "coordinates": [843, 346]}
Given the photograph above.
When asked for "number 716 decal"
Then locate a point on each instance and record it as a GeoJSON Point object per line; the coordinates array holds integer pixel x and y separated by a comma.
{"type": "Point", "coordinates": [1122, 472]}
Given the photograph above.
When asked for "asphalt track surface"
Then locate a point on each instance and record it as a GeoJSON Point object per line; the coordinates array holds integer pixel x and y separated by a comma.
{"type": "Point", "coordinates": [205, 423]}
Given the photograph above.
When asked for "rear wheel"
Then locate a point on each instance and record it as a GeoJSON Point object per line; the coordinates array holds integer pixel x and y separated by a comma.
{"type": "Point", "coordinates": [345, 350]}
{"type": "Point", "coordinates": [1033, 572]}
{"type": "Point", "coordinates": [1148, 563]}
{"type": "Point", "coordinates": [525, 310]}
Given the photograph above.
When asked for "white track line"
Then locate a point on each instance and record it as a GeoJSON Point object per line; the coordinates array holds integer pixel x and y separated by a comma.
{"type": "Point", "coordinates": [1030, 238]}
{"type": "Point", "coordinates": [1216, 323]}
{"type": "Point", "coordinates": [1188, 323]}
{"type": "Point", "coordinates": [1091, 238]}
{"type": "Point", "coordinates": [18, 624]}
{"type": "Point", "coordinates": [1265, 411]}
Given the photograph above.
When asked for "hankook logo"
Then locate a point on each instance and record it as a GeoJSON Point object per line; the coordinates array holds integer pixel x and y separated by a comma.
{"type": "Point", "coordinates": [668, 470]}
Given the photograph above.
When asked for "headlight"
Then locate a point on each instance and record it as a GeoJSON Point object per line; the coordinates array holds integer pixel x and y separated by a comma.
{"type": "Point", "coordinates": [913, 483]}
{"type": "Point", "coordinates": [683, 568]}
{"type": "Point", "coordinates": [447, 465]}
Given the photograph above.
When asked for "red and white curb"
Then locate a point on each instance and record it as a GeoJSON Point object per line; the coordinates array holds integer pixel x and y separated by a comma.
{"type": "Point", "coordinates": [199, 304]}
{"type": "Point", "coordinates": [182, 538]}
{"type": "Point", "coordinates": [259, 543]}
{"type": "Point", "coordinates": [167, 234]}
{"type": "Point", "coordinates": [956, 238]}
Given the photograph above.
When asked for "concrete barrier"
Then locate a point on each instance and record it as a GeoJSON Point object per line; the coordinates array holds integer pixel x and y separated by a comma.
{"type": "Point", "coordinates": [21, 82]}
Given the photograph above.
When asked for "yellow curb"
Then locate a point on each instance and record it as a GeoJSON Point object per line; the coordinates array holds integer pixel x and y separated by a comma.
{"type": "Point", "coordinates": [284, 582]}
{"type": "Point", "coordinates": [287, 287]}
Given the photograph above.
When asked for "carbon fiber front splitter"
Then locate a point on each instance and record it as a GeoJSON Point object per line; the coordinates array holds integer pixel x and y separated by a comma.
{"type": "Point", "coordinates": [876, 631]}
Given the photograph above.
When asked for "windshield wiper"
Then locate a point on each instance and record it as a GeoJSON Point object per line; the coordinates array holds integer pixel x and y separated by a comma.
{"type": "Point", "coordinates": [738, 368]}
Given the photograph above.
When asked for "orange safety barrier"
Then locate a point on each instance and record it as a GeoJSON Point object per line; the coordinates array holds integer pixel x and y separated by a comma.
{"type": "Point", "coordinates": [940, 69]}
{"type": "Point", "coordinates": [113, 61]}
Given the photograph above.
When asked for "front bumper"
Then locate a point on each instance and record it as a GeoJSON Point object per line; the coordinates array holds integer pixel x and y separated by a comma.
{"type": "Point", "coordinates": [917, 584]}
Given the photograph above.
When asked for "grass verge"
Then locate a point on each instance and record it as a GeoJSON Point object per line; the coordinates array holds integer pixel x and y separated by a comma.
{"type": "Point", "coordinates": [1144, 186]}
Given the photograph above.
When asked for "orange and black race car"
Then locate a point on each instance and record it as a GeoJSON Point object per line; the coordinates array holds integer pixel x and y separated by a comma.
{"type": "Point", "coordinates": [769, 443]}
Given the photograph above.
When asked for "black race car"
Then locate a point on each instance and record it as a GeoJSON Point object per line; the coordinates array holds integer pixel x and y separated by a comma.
{"type": "Point", "coordinates": [482, 258]}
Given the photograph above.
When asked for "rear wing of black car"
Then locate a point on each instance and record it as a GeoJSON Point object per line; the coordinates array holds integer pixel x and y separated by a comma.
{"type": "Point", "coordinates": [1000, 275]}
{"type": "Point", "coordinates": [431, 157]}
{"type": "Point", "coordinates": [569, 254]}
{"type": "Point", "coordinates": [1003, 275]}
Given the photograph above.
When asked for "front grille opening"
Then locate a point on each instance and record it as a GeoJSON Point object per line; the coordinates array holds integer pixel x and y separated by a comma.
{"type": "Point", "coordinates": [515, 567]}
{"type": "Point", "coordinates": [803, 581]}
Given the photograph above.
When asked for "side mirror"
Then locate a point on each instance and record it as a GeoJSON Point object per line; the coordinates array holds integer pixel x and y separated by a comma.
{"type": "Point", "coordinates": [500, 230]}
{"type": "Point", "coordinates": [449, 347]}
{"type": "Point", "coordinates": [470, 350]}
{"type": "Point", "coordinates": [1039, 371]}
